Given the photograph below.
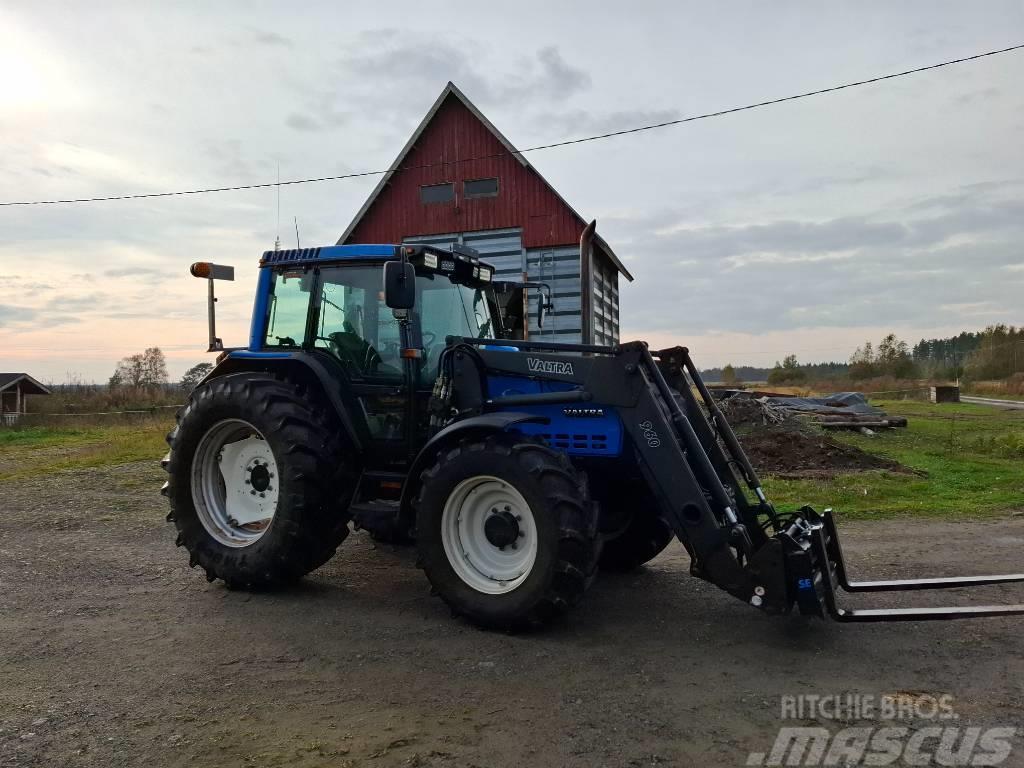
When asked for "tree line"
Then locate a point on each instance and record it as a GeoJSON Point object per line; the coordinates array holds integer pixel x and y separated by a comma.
{"type": "Point", "coordinates": [994, 353]}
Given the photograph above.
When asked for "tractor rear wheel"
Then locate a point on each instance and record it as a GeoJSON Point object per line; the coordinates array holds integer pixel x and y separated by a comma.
{"type": "Point", "coordinates": [506, 532]}
{"type": "Point", "coordinates": [259, 482]}
{"type": "Point", "coordinates": [644, 534]}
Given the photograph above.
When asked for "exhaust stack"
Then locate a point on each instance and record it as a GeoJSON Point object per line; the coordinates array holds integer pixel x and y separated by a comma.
{"type": "Point", "coordinates": [587, 283]}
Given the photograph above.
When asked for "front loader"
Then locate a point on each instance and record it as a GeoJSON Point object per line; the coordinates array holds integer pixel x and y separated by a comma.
{"type": "Point", "coordinates": [382, 387]}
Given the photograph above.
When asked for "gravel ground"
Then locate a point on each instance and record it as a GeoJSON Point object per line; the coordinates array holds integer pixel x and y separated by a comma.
{"type": "Point", "coordinates": [114, 653]}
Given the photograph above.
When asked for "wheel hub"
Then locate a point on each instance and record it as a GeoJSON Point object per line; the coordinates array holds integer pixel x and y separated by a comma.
{"type": "Point", "coordinates": [501, 528]}
{"type": "Point", "coordinates": [259, 476]}
{"type": "Point", "coordinates": [489, 534]}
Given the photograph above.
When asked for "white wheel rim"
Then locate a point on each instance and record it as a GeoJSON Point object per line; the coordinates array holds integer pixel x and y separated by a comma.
{"type": "Point", "coordinates": [475, 559]}
{"type": "Point", "coordinates": [235, 483]}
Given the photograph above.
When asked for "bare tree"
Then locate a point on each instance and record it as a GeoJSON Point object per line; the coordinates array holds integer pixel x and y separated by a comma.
{"type": "Point", "coordinates": [146, 369]}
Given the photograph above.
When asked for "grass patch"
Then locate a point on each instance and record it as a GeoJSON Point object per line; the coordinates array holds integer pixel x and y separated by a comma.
{"type": "Point", "coordinates": [36, 451]}
{"type": "Point", "coordinates": [971, 458]}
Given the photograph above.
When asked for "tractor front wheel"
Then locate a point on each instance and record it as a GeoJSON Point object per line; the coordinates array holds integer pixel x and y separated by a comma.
{"type": "Point", "coordinates": [259, 484]}
{"type": "Point", "coordinates": [506, 532]}
{"type": "Point", "coordinates": [644, 538]}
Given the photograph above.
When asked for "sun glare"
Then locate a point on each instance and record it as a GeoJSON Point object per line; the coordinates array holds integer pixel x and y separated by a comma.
{"type": "Point", "coordinates": [31, 78]}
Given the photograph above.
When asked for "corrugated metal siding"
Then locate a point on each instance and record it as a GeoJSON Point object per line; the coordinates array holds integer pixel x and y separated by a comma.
{"type": "Point", "coordinates": [501, 248]}
{"type": "Point", "coordinates": [606, 301]}
{"type": "Point", "coordinates": [559, 268]}
{"type": "Point", "coordinates": [524, 201]}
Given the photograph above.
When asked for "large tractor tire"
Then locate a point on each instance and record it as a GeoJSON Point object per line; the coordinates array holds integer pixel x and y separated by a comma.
{"type": "Point", "coordinates": [643, 535]}
{"type": "Point", "coordinates": [260, 482]}
{"type": "Point", "coordinates": [506, 532]}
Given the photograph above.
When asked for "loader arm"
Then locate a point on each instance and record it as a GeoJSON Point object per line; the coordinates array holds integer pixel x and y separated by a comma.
{"type": "Point", "coordinates": [696, 468]}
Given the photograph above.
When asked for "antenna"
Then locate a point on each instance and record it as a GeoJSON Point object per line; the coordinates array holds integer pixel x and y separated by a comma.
{"type": "Point", "coordinates": [297, 244]}
{"type": "Point", "coordinates": [277, 240]}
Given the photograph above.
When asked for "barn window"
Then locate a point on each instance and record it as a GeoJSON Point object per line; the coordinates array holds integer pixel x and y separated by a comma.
{"type": "Point", "coordinates": [437, 193]}
{"type": "Point", "coordinates": [480, 188]}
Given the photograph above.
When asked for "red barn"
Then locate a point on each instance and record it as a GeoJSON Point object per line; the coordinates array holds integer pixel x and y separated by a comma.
{"type": "Point", "coordinates": [461, 181]}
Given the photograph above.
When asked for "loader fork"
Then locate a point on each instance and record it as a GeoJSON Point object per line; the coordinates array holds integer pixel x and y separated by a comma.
{"type": "Point", "coordinates": [828, 550]}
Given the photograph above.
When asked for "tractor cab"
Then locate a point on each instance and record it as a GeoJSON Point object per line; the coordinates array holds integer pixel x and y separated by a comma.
{"type": "Point", "coordinates": [335, 304]}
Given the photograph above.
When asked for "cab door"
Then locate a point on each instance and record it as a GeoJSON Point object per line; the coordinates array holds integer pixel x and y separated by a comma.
{"type": "Point", "coordinates": [352, 324]}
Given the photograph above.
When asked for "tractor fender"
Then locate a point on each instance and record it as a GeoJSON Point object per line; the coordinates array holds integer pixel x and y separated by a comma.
{"type": "Point", "coordinates": [473, 426]}
{"type": "Point", "coordinates": [288, 364]}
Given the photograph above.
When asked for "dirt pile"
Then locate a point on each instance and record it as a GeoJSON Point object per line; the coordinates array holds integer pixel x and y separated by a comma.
{"type": "Point", "coordinates": [745, 411]}
{"type": "Point", "coordinates": [780, 442]}
{"type": "Point", "coordinates": [789, 452]}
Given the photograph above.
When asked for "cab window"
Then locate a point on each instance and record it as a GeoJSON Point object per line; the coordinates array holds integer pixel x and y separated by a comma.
{"type": "Point", "coordinates": [448, 309]}
{"type": "Point", "coordinates": [355, 326]}
{"type": "Point", "coordinates": [289, 308]}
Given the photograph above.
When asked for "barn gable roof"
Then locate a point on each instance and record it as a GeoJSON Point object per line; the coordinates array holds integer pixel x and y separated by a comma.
{"type": "Point", "coordinates": [452, 90]}
{"type": "Point", "coordinates": [8, 380]}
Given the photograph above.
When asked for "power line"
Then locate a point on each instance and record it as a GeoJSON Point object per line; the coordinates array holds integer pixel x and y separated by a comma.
{"type": "Point", "coordinates": [553, 145]}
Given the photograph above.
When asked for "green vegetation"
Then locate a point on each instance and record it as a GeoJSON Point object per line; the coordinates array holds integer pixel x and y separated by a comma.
{"type": "Point", "coordinates": [34, 451]}
{"type": "Point", "coordinates": [788, 371]}
{"type": "Point", "coordinates": [971, 460]}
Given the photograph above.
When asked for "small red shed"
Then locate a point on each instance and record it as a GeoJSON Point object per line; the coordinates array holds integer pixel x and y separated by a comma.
{"type": "Point", "coordinates": [459, 180]}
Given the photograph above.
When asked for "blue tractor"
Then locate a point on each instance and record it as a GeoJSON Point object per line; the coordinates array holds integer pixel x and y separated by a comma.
{"type": "Point", "coordinates": [390, 387]}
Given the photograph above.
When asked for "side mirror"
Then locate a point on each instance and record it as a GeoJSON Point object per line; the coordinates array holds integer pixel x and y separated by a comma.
{"type": "Point", "coordinates": [544, 305]}
{"type": "Point", "coordinates": [399, 284]}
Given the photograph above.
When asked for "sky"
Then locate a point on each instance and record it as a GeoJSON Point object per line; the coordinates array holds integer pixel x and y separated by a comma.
{"type": "Point", "coordinates": [804, 228]}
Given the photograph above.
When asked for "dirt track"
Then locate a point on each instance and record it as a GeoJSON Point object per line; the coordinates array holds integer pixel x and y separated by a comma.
{"type": "Point", "coordinates": [113, 652]}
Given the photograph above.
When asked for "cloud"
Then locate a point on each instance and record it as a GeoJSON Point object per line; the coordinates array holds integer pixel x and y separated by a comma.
{"type": "Point", "coordinates": [11, 314]}
{"type": "Point", "coordinates": [229, 160]}
{"type": "Point", "coordinates": [301, 122]}
{"type": "Point", "coordinates": [271, 38]}
{"type": "Point", "coordinates": [150, 273]}
{"type": "Point", "coordinates": [972, 308]}
{"type": "Point", "coordinates": [931, 263]}
{"type": "Point", "coordinates": [326, 119]}
{"type": "Point", "coordinates": [578, 122]}
{"type": "Point", "coordinates": [407, 64]}
{"type": "Point", "coordinates": [560, 78]}
{"type": "Point", "coordinates": [973, 98]}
